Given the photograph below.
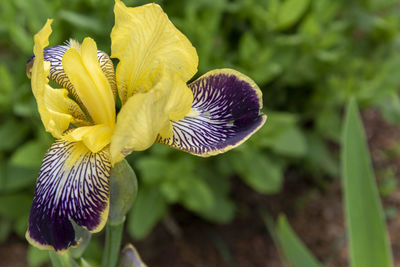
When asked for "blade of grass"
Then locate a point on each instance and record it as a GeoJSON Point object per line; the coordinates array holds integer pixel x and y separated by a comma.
{"type": "Point", "coordinates": [367, 234]}
{"type": "Point", "coordinates": [290, 246]}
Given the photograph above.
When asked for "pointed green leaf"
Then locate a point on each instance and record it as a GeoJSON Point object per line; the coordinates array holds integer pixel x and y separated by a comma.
{"type": "Point", "coordinates": [258, 170]}
{"type": "Point", "coordinates": [148, 209]}
{"type": "Point", "coordinates": [368, 239]}
{"type": "Point", "coordinates": [292, 247]}
{"type": "Point", "coordinates": [37, 257]}
{"type": "Point", "coordinates": [290, 12]}
{"type": "Point", "coordinates": [29, 155]}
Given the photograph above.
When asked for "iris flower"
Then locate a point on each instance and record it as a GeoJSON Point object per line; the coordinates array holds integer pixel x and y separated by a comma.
{"type": "Point", "coordinates": [211, 115]}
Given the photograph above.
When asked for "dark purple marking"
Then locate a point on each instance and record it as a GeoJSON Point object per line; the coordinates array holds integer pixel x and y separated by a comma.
{"type": "Point", "coordinates": [80, 194]}
{"type": "Point", "coordinates": [229, 110]}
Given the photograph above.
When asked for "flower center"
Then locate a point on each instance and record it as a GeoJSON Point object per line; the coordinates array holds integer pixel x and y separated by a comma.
{"type": "Point", "coordinates": [92, 87]}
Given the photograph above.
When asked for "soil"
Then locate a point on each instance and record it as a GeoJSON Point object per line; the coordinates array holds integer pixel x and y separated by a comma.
{"type": "Point", "coordinates": [316, 215]}
{"type": "Point", "coordinates": [246, 241]}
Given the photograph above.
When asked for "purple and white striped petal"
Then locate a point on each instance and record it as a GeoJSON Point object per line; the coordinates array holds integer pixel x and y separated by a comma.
{"type": "Point", "coordinates": [55, 54]}
{"type": "Point", "coordinates": [73, 187]}
{"type": "Point", "coordinates": [225, 112]}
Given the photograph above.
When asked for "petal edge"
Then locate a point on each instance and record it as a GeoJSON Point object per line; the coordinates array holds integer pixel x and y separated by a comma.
{"type": "Point", "coordinates": [72, 185]}
{"type": "Point", "coordinates": [143, 39]}
{"type": "Point", "coordinates": [225, 113]}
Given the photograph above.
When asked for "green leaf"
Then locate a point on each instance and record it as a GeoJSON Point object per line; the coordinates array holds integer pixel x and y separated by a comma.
{"type": "Point", "coordinates": [248, 47]}
{"type": "Point", "coordinates": [328, 123]}
{"type": "Point", "coordinates": [291, 143]}
{"type": "Point", "coordinates": [5, 87]}
{"type": "Point", "coordinates": [93, 253]}
{"type": "Point", "coordinates": [13, 177]}
{"type": "Point", "coordinates": [37, 257]}
{"type": "Point", "coordinates": [258, 170]}
{"type": "Point", "coordinates": [320, 157]}
{"type": "Point", "coordinates": [148, 209]}
{"type": "Point", "coordinates": [21, 224]}
{"type": "Point", "coordinates": [196, 195]}
{"type": "Point", "coordinates": [170, 191]}
{"type": "Point", "coordinates": [82, 21]}
{"type": "Point", "coordinates": [368, 237]}
{"type": "Point", "coordinates": [21, 38]}
{"type": "Point", "coordinates": [290, 12]}
{"type": "Point", "coordinates": [390, 108]}
{"type": "Point", "coordinates": [292, 247]}
{"type": "Point", "coordinates": [12, 131]}
{"type": "Point", "coordinates": [282, 134]}
{"type": "Point", "coordinates": [152, 169]}
{"type": "Point", "coordinates": [222, 210]}
{"type": "Point", "coordinates": [15, 206]}
{"type": "Point", "coordinates": [29, 154]}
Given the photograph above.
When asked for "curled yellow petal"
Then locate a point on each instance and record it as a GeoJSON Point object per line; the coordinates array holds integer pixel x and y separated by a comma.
{"type": "Point", "coordinates": [138, 124]}
{"type": "Point", "coordinates": [141, 119]}
{"type": "Point", "coordinates": [146, 115]}
{"type": "Point", "coordinates": [143, 38]}
{"type": "Point", "coordinates": [179, 100]}
{"type": "Point", "coordinates": [95, 137]}
{"type": "Point", "coordinates": [83, 69]}
{"type": "Point", "coordinates": [178, 105]}
{"type": "Point", "coordinates": [56, 110]}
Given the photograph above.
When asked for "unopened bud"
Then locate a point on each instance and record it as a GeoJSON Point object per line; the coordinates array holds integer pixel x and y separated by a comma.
{"type": "Point", "coordinates": [130, 257]}
{"type": "Point", "coordinates": [123, 187]}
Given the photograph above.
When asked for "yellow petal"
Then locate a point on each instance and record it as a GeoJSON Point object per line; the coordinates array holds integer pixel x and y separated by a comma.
{"type": "Point", "coordinates": [180, 100]}
{"type": "Point", "coordinates": [107, 67]}
{"type": "Point", "coordinates": [94, 137]}
{"type": "Point", "coordinates": [146, 115]}
{"type": "Point", "coordinates": [178, 105]}
{"type": "Point", "coordinates": [138, 124]}
{"type": "Point", "coordinates": [84, 71]}
{"type": "Point", "coordinates": [143, 38]}
{"type": "Point", "coordinates": [55, 54]}
{"type": "Point", "coordinates": [56, 110]}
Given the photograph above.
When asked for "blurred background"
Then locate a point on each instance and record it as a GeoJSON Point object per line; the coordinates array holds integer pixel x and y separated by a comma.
{"type": "Point", "coordinates": [307, 56]}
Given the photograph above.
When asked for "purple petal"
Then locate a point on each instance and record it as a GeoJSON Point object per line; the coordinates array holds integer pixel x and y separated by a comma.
{"type": "Point", "coordinates": [225, 112]}
{"type": "Point", "coordinates": [73, 186]}
{"type": "Point", "coordinates": [130, 257]}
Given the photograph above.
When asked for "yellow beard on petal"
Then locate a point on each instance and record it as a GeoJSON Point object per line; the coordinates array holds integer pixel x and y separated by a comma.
{"type": "Point", "coordinates": [95, 137]}
{"type": "Point", "coordinates": [94, 90]}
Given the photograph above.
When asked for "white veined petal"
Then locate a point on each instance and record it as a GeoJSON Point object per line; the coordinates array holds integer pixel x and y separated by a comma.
{"type": "Point", "coordinates": [73, 184]}
{"type": "Point", "coordinates": [225, 112]}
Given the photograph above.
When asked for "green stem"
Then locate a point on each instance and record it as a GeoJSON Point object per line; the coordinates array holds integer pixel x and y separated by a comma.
{"type": "Point", "coordinates": [112, 244]}
{"type": "Point", "coordinates": [64, 260]}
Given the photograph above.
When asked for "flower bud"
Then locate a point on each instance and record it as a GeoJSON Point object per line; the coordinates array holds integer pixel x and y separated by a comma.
{"type": "Point", "coordinates": [123, 190]}
{"type": "Point", "coordinates": [130, 257]}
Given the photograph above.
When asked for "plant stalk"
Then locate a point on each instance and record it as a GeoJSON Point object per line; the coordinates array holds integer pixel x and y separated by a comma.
{"type": "Point", "coordinates": [64, 260]}
{"type": "Point", "coordinates": [112, 244]}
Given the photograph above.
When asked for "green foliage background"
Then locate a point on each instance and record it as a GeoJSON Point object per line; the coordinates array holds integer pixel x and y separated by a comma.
{"type": "Point", "coordinates": [308, 57]}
